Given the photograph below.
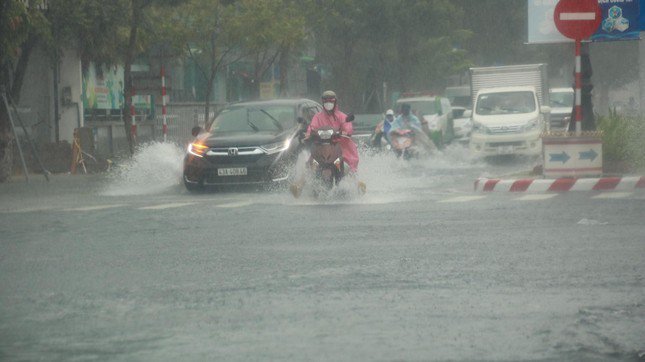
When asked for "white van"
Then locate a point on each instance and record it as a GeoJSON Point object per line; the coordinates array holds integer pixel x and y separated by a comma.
{"type": "Point", "coordinates": [507, 120]}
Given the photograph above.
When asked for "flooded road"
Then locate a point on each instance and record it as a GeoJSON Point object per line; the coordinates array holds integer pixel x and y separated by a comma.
{"type": "Point", "coordinates": [130, 266]}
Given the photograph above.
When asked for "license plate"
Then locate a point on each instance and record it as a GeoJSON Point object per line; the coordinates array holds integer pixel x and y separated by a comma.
{"type": "Point", "coordinates": [236, 171]}
{"type": "Point", "coordinates": [505, 150]}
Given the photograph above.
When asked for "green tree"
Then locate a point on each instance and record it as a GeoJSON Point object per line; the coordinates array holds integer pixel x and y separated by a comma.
{"type": "Point", "coordinates": [21, 27]}
{"type": "Point", "coordinates": [408, 44]}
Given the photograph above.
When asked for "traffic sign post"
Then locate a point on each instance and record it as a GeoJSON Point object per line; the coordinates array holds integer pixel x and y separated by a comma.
{"type": "Point", "coordinates": [578, 20]}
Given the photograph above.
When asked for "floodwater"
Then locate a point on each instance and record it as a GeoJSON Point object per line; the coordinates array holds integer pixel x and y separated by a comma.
{"type": "Point", "coordinates": [258, 275]}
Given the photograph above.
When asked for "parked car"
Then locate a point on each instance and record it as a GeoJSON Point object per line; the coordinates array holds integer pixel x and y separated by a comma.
{"type": "Point", "coordinates": [561, 107]}
{"type": "Point", "coordinates": [248, 143]}
{"type": "Point", "coordinates": [435, 110]}
{"type": "Point", "coordinates": [459, 96]}
{"type": "Point", "coordinates": [364, 125]}
{"type": "Point", "coordinates": [462, 123]}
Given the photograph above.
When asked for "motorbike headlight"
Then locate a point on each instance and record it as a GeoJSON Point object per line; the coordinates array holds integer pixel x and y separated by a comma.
{"type": "Point", "coordinates": [325, 134]}
{"type": "Point", "coordinates": [197, 149]}
{"type": "Point", "coordinates": [277, 147]}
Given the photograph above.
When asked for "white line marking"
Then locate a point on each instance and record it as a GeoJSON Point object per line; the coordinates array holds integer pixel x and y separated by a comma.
{"type": "Point", "coordinates": [29, 209]}
{"type": "Point", "coordinates": [536, 197]}
{"type": "Point", "coordinates": [612, 195]}
{"type": "Point", "coordinates": [463, 199]}
{"type": "Point", "coordinates": [167, 206]}
{"type": "Point", "coordinates": [236, 204]}
{"type": "Point", "coordinates": [577, 16]}
{"type": "Point", "coordinates": [93, 208]}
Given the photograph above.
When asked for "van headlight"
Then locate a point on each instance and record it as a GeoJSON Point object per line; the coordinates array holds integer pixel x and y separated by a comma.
{"type": "Point", "coordinates": [480, 128]}
{"type": "Point", "coordinates": [531, 125]}
{"type": "Point", "coordinates": [276, 147]}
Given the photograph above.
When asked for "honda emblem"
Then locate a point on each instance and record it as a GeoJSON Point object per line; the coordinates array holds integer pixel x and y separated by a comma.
{"type": "Point", "coordinates": [233, 151]}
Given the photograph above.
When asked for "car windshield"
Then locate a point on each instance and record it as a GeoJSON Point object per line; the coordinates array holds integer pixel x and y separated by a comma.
{"type": "Point", "coordinates": [461, 101]}
{"type": "Point", "coordinates": [561, 99]}
{"type": "Point", "coordinates": [505, 103]}
{"type": "Point", "coordinates": [422, 108]}
{"type": "Point", "coordinates": [254, 119]}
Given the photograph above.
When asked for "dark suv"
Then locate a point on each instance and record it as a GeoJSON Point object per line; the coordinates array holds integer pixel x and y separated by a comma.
{"type": "Point", "coordinates": [248, 143]}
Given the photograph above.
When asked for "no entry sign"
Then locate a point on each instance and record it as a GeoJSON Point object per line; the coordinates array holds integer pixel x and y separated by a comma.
{"type": "Point", "coordinates": [577, 19]}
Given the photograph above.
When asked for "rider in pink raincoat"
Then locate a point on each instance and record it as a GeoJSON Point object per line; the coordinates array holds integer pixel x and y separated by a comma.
{"type": "Point", "coordinates": [331, 116]}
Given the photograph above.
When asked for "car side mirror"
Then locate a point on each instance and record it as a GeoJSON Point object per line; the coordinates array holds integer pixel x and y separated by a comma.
{"type": "Point", "coordinates": [350, 118]}
{"type": "Point", "coordinates": [545, 109]}
{"type": "Point", "coordinates": [196, 131]}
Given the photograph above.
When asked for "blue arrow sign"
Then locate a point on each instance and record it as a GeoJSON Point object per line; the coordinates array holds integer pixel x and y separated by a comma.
{"type": "Point", "coordinates": [588, 155]}
{"type": "Point", "coordinates": [559, 157]}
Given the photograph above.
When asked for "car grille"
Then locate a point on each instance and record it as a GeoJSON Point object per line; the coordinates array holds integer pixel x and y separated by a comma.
{"type": "Point", "coordinates": [506, 144]}
{"type": "Point", "coordinates": [231, 160]}
{"type": "Point", "coordinates": [505, 129]}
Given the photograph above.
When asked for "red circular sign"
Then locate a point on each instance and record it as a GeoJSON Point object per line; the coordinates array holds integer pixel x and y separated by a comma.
{"type": "Point", "coordinates": [577, 19]}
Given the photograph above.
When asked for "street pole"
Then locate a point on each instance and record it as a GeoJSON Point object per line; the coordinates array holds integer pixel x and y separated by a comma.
{"type": "Point", "coordinates": [133, 127]}
{"type": "Point", "coordinates": [578, 90]}
{"type": "Point", "coordinates": [163, 102]}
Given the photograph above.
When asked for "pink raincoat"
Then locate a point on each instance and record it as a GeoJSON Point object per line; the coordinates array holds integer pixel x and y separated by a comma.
{"type": "Point", "coordinates": [337, 120]}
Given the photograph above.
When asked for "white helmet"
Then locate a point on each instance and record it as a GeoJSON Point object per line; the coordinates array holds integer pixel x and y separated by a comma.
{"type": "Point", "coordinates": [389, 112]}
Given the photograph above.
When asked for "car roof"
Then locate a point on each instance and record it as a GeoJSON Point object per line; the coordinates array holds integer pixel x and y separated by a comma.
{"type": "Point", "coordinates": [274, 102]}
{"type": "Point", "coordinates": [416, 99]}
{"type": "Point", "coordinates": [507, 89]}
{"type": "Point", "coordinates": [561, 90]}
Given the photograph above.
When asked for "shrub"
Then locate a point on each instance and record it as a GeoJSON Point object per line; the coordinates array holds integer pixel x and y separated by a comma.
{"type": "Point", "coordinates": [623, 141]}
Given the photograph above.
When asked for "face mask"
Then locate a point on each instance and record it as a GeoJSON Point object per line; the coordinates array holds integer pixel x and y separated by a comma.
{"type": "Point", "coordinates": [328, 106]}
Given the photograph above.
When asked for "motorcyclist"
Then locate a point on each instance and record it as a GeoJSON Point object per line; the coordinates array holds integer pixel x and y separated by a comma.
{"type": "Point", "coordinates": [407, 120]}
{"type": "Point", "coordinates": [383, 129]}
{"type": "Point", "coordinates": [332, 116]}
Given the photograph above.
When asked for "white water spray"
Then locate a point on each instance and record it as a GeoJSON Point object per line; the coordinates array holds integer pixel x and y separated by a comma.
{"type": "Point", "coordinates": [155, 168]}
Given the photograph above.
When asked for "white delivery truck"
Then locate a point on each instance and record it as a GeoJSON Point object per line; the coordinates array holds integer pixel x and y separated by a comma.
{"type": "Point", "coordinates": [510, 109]}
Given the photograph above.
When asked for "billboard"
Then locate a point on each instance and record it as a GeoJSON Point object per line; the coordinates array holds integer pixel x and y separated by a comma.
{"type": "Point", "coordinates": [621, 20]}
{"type": "Point", "coordinates": [102, 87]}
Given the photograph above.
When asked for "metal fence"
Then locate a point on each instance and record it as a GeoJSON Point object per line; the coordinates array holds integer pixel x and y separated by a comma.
{"type": "Point", "coordinates": [110, 137]}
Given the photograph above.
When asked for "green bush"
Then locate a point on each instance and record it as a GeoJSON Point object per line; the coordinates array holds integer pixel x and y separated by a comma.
{"type": "Point", "coordinates": [623, 140]}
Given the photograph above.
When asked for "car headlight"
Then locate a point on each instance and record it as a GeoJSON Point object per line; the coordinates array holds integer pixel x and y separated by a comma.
{"type": "Point", "coordinates": [531, 125]}
{"type": "Point", "coordinates": [197, 149]}
{"type": "Point", "coordinates": [277, 147]}
{"type": "Point", "coordinates": [480, 128]}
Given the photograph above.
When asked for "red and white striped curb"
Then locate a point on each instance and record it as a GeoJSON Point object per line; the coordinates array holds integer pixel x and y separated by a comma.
{"type": "Point", "coordinates": [561, 184]}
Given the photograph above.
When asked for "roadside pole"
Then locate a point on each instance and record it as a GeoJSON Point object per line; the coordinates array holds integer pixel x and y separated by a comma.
{"type": "Point", "coordinates": [163, 103]}
{"type": "Point", "coordinates": [133, 127]}
{"type": "Point", "coordinates": [575, 154]}
{"type": "Point", "coordinates": [578, 90]}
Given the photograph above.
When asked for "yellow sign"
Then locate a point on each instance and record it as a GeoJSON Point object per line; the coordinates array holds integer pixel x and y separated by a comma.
{"type": "Point", "coordinates": [267, 90]}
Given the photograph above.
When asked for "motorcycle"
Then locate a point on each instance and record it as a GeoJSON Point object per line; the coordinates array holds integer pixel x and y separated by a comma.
{"type": "Point", "coordinates": [402, 141]}
{"type": "Point", "coordinates": [326, 160]}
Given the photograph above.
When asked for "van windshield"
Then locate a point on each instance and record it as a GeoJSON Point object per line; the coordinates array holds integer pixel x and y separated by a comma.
{"type": "Point", "coordinates": [505, 103]}
{"type": "Point", "coordinates": [561, 99]}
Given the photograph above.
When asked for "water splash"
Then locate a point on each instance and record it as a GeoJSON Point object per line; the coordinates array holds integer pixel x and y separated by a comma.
{"type": "Point", "coordinates": [156, 167]}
